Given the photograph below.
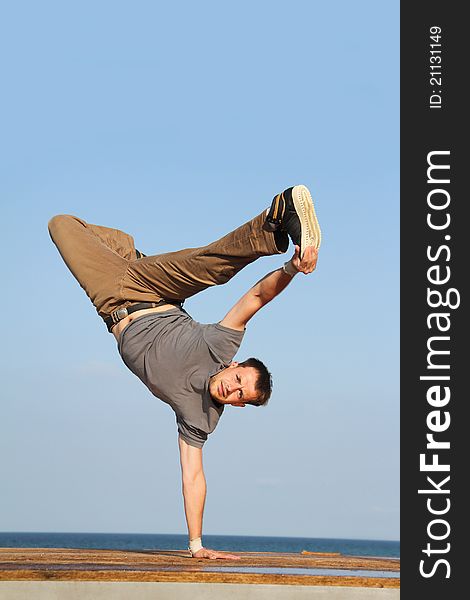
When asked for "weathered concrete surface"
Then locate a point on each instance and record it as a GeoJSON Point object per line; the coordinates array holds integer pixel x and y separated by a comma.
{"type": "Point", "coordinates": [163, 566]}
{"type": "Point", "coordinates": [108, 590]}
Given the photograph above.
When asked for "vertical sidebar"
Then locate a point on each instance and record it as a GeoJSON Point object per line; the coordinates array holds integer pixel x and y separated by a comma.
{"type": "Point", "coordinates": [434, 327]}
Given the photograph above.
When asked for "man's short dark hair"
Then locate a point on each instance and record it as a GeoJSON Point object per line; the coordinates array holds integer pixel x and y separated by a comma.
{"type": "Point", "coordinates": [264, 382]}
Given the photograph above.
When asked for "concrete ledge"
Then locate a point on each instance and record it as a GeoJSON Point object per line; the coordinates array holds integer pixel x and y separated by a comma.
{"type": "Point", "coordinates": [161, 568]}
{"type": "Point", "coordinates": [108, 590]}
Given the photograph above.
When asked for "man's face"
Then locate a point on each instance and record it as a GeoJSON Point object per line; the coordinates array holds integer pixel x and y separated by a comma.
{"type": "Point", "coordinates": [234, 385]}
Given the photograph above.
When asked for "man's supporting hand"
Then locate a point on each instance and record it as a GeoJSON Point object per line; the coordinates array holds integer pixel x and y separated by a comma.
{"type": "Point", "coordinates": [213, 554]}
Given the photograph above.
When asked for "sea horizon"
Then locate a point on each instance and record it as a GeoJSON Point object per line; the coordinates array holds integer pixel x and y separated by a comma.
{"type": "Point", "coordinates": [228, 542]}
{"type": "Point", "coordinates": [301, 537]}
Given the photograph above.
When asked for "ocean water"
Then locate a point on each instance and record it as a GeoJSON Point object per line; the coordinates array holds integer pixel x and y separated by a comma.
{"type": "Point", "coordinates": [235, 543]}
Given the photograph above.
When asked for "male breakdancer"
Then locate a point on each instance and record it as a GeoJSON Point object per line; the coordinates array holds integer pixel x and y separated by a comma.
{"type": "Point", "coordinates": [186, 364]}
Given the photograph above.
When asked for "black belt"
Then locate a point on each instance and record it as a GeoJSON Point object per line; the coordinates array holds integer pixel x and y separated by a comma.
{"type": "Point", "coordinates": [122, 313]}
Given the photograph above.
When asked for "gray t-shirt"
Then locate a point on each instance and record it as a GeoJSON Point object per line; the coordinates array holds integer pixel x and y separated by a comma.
{"type": "Point", "coordinates": [174, 356]}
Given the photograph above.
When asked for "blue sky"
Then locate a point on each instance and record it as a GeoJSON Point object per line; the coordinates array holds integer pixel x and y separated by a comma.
{"type": "Point", "coordinates": [177, 122]}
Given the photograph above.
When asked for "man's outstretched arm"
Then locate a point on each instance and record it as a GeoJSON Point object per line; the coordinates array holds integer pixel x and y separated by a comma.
{"type": "Point", "coordinates": [194, 493]}
{"type": "Point", "coordinates": [268, 288]}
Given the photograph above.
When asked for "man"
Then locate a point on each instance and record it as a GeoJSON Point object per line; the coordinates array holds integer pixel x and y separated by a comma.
{"type": "Point", "coordinates": [184, 363]}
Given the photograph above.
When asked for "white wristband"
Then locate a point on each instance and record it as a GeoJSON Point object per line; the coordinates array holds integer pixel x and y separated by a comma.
{"type": "Point", "coordinates": [289, 269]}
{"type": "Point", "coordinates": [195, 545]}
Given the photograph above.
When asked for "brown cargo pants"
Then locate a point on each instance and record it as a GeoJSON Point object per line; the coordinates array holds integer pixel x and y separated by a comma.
{"type": "Point", "coordinates": [105, 263]}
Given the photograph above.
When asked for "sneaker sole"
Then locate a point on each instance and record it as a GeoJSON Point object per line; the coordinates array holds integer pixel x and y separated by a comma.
{"type": "Point", "coordinates": [303, 203]}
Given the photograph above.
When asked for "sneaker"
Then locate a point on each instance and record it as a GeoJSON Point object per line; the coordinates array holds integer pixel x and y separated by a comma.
{"type": "Point", "coordinates": [292, 211]}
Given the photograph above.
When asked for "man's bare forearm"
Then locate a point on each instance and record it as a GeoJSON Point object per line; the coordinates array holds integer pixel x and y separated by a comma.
{"type": "Point", "coordinates": [271, 285]}
{"type": "Point", "coordinates": [275, 282]}
{"type": "Point", "coordinates": [268, 288]}
{"type": "Point", "coordinates": [194, 493]}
